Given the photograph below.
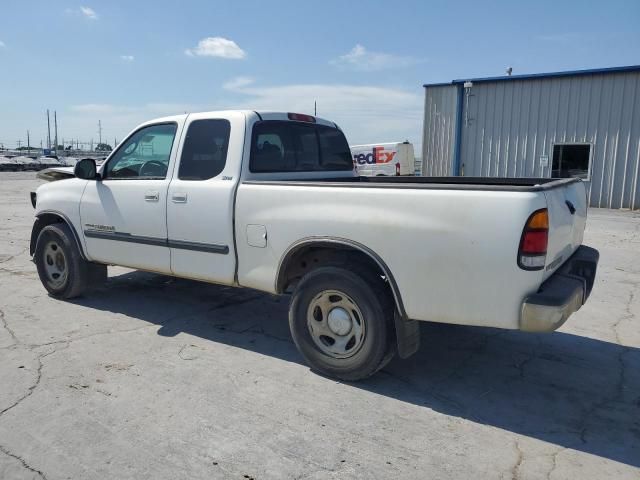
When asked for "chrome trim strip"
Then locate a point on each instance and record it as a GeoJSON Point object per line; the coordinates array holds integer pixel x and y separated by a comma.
{"type": "Point", "coordinates": [199, 247]}
{"type": "Point", "coordinates": [125, 237]}
{"type": "Point", "coordinates": [158, 242]}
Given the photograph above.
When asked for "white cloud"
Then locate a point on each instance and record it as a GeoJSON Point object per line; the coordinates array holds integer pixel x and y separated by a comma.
{"type": "Point", "coordinates": [117, 120]}
{"type": "Point", "coordinates": [127, 58]}
{"type": "Point", "coordinates": [237, 83]}
{"type": "Point", "coordinates": [89, 12]}
{"type": "Point", "coordinates": [359, 58]}
{"type": "Point", "coordinates": [217, 47]}
{"type": "Point", "coordinates": [367, 114]}
{"type": "Point", "coordinates": [86, 12]}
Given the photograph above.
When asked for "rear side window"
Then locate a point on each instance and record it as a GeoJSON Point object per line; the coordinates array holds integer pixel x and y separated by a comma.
{"type": "Point", "coordinates": [204, 153]}
{"type": "Point", "coordinates": [281, 146]}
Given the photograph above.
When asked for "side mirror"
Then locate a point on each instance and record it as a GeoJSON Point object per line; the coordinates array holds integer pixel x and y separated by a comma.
{"type": "Point", "coordinates": [86, 169]}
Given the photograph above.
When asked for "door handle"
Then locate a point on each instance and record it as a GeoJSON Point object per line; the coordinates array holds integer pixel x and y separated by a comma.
{"type": "Point", "coordinates": [179, 198]}
{"type": "Point", "coordinates": [151, 196]}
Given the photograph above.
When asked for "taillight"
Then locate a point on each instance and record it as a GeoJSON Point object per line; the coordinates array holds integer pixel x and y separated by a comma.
{"type": "Point", "coordinates": [397, 169]}
{"type": "Point", "coordinates": [301, 117]}
{"type": "Point", "coordinates": [532, 254]}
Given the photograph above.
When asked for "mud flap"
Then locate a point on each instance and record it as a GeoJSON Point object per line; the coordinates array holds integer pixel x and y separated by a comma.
{"type": "Point", "coordinates": [407, 336]}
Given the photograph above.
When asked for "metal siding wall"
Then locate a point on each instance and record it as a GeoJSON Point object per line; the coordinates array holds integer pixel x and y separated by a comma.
{"type": "Point", "coordinates": [439, 130]}
{"type": "Point", "coordinates": [512, 123]}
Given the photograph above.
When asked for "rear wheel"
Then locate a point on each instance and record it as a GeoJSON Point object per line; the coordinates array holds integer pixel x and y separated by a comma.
{"type": "Point", "coordinates": [61, 268]}
{"type": "Point", "coordinates": [341, 322]}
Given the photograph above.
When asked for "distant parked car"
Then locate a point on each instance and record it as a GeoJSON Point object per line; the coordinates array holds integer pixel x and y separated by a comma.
{"type": "Point", "coordinates": [8, 164]}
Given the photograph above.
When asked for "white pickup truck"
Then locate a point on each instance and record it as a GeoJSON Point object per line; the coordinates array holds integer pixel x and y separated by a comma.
{"type": "Point", "coordinates": [270, 201]}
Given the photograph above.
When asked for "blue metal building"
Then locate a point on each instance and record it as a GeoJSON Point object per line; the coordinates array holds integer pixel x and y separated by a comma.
{"type": "Point", "coordinates": [583, 123]}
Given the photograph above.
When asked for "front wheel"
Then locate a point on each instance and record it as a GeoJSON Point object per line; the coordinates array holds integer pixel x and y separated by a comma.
{"type": "Point", "coordinates": [61, 269]}
{"type": "Point", "coordinates": [341, 322]}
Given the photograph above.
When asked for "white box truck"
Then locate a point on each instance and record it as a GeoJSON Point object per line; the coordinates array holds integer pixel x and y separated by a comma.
{"type": "Point", "coordinates": [389, 159]}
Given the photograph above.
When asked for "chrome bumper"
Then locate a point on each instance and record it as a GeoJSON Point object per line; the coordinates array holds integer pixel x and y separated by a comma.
{"type": "Point", "coordinates": [561, 294]}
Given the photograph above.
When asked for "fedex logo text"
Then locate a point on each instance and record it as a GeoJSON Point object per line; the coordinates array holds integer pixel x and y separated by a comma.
{"type": "Point", "coordinates": [377, 155]}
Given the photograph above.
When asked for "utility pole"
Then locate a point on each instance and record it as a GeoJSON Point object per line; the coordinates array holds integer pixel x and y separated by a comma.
{"type": "Point", "coordinates": [28, 142]}
{"type": "Point", "coordinates": [55, 121]}
{"type": "Point", "coordinates": [48, 130]}
{"type": "Point", "coordinates": [99, 132]}
{"type": "Point", "coordinates": [315, 108]}
{"type": "Point", "coordinates": [19, 144]}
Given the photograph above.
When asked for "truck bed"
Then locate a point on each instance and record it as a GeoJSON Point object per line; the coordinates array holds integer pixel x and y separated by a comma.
{"type": "Point", "coordinates": [436, 183]}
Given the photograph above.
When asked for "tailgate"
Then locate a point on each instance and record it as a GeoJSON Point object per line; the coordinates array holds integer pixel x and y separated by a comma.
{"type": "Point", "coordinates": [567, 206]}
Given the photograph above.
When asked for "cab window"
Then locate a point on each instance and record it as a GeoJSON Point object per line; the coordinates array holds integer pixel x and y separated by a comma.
{"type": "Point", "coordinates": [204, 153]}
{"type": "Point", "coordinates": [285, 146]}
{"type": "Point", "coordinates": [144, 155]}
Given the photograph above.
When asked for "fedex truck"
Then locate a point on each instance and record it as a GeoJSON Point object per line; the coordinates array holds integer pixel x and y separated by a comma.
{"type": "Point", "coordinates": [388, 159]}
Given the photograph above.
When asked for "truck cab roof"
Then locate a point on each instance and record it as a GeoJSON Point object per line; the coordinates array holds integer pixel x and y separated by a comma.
{"type": "Point", "coordinates": [258, 114]}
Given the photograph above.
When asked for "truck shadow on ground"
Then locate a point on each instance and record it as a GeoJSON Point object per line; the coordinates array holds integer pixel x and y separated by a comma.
{"type": "Point", "coordinates": [568, 390]}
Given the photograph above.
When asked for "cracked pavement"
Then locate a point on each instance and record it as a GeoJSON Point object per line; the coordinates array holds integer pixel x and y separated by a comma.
{"type": "Point", "coordinates": [161, 378]}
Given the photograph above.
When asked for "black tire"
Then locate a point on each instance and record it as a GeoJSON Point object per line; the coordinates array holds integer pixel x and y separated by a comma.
{"type": "Point", "coordinates": [61, 268]}
{"type": "Point", "coordinates": [372, 300]}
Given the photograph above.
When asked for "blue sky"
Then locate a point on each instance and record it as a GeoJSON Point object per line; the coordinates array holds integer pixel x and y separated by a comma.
{"type": "Point", "coordinates": [123, 62]}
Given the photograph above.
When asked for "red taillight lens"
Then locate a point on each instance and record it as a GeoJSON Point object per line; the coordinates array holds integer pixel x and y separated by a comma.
{"type": "Point", "coordinates": [397, 169]}
{"type": "Point", "coordinates": [301, 117]}
{"type": "Point", "coordinates": [532, 254]}
{"type": "Point", "coordinates": [535, 242]}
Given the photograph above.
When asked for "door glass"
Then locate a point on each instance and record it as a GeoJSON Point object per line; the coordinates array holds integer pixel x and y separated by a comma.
{"type": "Point", "coordinates": [145, 155]}
{"type": "Point", "coordinates": [205, 149]}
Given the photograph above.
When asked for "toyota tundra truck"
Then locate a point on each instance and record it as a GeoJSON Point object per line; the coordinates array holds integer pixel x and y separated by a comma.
{"type": "Point", "coordinates": [271, 201]}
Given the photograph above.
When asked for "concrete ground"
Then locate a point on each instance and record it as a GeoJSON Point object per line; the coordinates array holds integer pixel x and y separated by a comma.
{"type": "Point", "coordinates": [156, 378]}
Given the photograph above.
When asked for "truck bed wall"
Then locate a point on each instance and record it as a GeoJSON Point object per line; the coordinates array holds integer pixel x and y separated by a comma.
{"type": "Point", "coordinates": [449, 183]}
{"type": "Point", "coordinates": [452, 253]}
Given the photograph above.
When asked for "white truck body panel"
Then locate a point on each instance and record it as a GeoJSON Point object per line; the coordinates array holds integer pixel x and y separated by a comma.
{"type": "Point", "coordinates": [565, 229]}
{"type": "Point", "coordinates": [135, 207]}
{"type": "Point", "coordinates": [201, 212]}
{"type": "Point", "coordinates": [451, 264]}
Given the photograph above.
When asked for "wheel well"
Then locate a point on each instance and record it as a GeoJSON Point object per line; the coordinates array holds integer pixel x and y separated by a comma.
{"type": "Point", "coordinates": [44, 220]}
{"type": "Point", "coordinates": [305, 258]}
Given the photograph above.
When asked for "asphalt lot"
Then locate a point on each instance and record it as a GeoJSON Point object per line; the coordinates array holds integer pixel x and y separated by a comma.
{"type": "Point", "coordinates": [158, 378]}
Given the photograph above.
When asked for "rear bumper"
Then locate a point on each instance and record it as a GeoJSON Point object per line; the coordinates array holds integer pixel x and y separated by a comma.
{"type": "Point", "coordinates": [561, 294]}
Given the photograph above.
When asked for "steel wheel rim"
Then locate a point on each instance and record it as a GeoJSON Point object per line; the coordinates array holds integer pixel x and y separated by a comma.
{"type": "Point", "coordinates": [336, 324]}
{"type": "Point", "coordinates": [55, 264]}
